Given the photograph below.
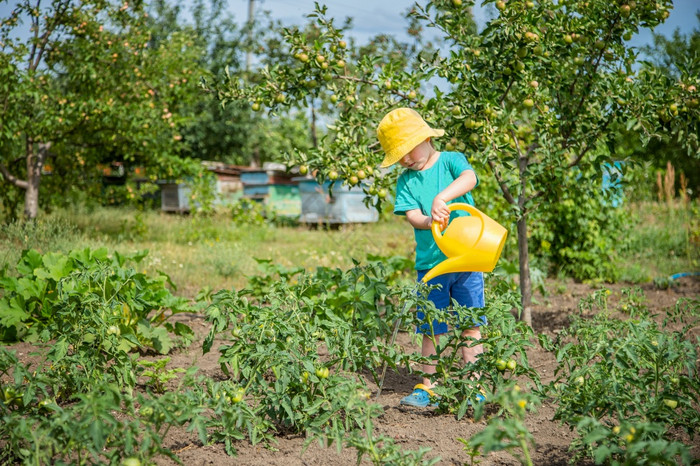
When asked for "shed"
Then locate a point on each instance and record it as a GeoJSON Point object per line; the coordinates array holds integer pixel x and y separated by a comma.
{"type": "Point", "coordinates": [344, 206]}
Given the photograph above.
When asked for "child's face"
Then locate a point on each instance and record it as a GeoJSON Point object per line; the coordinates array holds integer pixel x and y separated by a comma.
{"type": "Point", "coordinates": [418, 157]}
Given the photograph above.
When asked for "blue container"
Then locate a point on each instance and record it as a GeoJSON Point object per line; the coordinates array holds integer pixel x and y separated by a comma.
{"type": "Point", "coordinates": [612, 183]}
{"type": "Point", "coordinates": [255, 177]}
{"type": "Point", "coordinates": [344, 206]}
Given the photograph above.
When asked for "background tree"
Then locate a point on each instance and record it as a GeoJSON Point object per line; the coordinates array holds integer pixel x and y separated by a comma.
{"type": "Point", "coordinates": [83, 86]}
{"type": "Point", "coordinates": [233, 133]}
{"type": "Point", "coordinates": [676, 58]}
{"type": "Point", "coordinates": [533, 96]}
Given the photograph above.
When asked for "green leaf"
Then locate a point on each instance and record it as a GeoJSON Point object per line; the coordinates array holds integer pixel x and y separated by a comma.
{"type": "Point", "coordinates": [12, 312]}
{"type": "Point", "coordinates": [56, 266]}
{"type": "Point", "coordinates": [601, 453]}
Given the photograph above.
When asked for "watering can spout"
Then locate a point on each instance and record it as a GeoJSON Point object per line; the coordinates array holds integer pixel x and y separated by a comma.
{"type": "Point", "coordinates": [449, 265]}
{"type": "Point", "coordinates": [471, 244]}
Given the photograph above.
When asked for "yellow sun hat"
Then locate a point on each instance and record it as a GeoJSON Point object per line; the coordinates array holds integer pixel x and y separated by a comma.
{"type": "Point", "coordinates": [400, 131]}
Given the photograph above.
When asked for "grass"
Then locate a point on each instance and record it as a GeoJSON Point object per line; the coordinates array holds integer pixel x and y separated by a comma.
{"type": "Point", "coordinates": [664, 239]}
{"type": "Point", "coordinates": [198, 252]}
{"type": "Point", "coordinates": [215, 252]}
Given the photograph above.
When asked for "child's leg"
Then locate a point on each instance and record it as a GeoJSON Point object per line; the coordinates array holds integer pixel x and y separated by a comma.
{"type": "Point", "coordinates": [471, 352]}
{"type": "Point", "coordinates": [428, 350]}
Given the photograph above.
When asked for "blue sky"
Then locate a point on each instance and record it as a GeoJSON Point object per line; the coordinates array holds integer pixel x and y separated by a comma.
{"type": "Point", "coordinates": [371, 17]}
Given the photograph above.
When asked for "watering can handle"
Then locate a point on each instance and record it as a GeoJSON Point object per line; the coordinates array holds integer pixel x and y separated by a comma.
{"type": "Point", "coordinates": [437, 231]}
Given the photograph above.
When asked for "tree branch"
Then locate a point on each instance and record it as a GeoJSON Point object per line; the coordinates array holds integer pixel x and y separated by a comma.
{"type": "Point", "coordinates": [501, 183]}
{"type": "Point", "coordinates": [13, 179]}
{"type": "Point", "coordinates": [50, 27]}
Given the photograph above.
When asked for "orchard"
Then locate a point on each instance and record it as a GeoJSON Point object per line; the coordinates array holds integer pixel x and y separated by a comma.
{"type": "Point", "coordinates": [235, 334]}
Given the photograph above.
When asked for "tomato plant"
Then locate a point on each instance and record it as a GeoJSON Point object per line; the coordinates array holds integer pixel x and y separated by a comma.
{"type": "Point", "coordinates": [626, 371]}
{"type": "Point", "coordinates": [506, 430]}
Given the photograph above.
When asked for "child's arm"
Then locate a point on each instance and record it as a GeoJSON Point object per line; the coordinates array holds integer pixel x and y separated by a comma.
{"type": "Point", "coordinates": [418, 220]}
{"type": "Point", "coordinates": [464, 183]}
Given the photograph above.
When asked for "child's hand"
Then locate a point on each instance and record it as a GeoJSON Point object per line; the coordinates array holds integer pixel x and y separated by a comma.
{"type": "Point", "coordinates": [440, 212]}
{"type": "Point", "coordinates": [443, 223]}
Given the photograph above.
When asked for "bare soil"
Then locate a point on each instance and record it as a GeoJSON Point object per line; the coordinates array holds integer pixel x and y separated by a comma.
{"type": "Point", "coordinates": [415, 428]}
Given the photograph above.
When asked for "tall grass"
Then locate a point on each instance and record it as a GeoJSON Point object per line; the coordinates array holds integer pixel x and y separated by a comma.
{"type": "Point", "coordinates": [664, 239]}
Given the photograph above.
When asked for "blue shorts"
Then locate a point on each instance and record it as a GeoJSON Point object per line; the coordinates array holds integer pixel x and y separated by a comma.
{"type": "Point", "coordinates": [466, 288]}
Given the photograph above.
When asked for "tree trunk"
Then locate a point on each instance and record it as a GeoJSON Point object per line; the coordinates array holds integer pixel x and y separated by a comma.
{"type": "Point", "coordinates": [525, 284]}
{"type": "Point", "coordinates": [314, 139]}
{"type": "Point", "coordinates": [523, 253]}
{"type": "Point", "coordinates": [35, 162]}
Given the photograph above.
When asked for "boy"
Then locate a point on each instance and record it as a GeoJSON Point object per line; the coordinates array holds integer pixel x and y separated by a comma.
{"type": "Point", "coordinates": [430, 181]}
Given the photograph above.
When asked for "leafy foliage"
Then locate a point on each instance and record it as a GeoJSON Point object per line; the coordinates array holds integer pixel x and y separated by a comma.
{"type": "Point", "coordinates": [89, 297]}
{"type": "Point", "coordinates": [629, 373]}
{"type": "Point", "coordinates": [583, 235]}
{"type": "Point", "coordinates": [64, 113]}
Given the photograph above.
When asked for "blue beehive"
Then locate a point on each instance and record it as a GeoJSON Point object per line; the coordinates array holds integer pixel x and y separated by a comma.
{"type": "Point", "coordinates": [344, 206]}
{"type": "Point", "coordinates": [274, 188]}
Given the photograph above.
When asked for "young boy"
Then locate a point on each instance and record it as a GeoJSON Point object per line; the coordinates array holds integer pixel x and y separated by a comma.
{"type": "Point", "coordinates": [430, 181]}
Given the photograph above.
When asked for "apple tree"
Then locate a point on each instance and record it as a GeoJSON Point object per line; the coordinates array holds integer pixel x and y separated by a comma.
{"type": "Point", "coordinates": [81, 85]}
{"type": "Point", "coordinates": [532, 99]}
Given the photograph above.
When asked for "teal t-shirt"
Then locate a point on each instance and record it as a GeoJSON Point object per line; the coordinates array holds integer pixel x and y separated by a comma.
{"type": "Point", "coordinates": [417, 189]}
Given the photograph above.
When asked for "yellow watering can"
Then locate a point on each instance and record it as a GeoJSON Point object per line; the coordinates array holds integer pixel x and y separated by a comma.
{"type": "Point", "coordinates": [471, 244]}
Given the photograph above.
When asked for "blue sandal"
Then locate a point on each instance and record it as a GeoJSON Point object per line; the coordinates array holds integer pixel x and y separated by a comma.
{"type": "Point", "coordinates": [420, 398]}
{"type": "Point", "coordinates": [479, 398]}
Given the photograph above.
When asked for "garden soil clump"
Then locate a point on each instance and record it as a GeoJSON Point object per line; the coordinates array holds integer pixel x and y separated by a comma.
{"type": "Point", "coordinates": [414, 428]}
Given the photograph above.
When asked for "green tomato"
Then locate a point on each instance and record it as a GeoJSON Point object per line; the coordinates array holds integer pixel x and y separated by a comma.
{"type": "Point", "coordinates": [501, 365]}
{"type": "Point", "coordinates": [9, 394]}
{"type": "Point", "coordinates": [45, 403]}
{"type": "Point", "coordinates": [670, 403]}
{"type": "Point", "coordinates": [131, 461]}
{"type": "Point", "coordinates": [322, 372]}
{"type": "Point", "coordinates": [238, 396]}
{"type": "Point", "coordinates": [511, 364]}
